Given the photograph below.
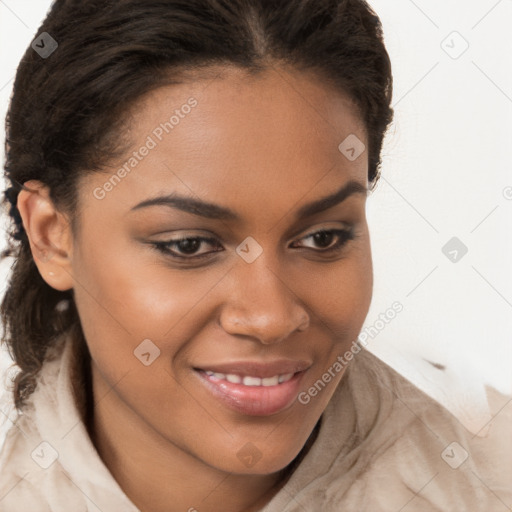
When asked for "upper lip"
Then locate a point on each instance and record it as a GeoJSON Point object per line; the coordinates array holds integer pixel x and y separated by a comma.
{"type": "Point", "coordinates": [257, 368]}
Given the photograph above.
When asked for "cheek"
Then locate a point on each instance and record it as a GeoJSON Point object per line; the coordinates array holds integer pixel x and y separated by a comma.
{"type": "Point", "coordinates": [339, 294]}
{"type": "Point", "coordinates": [340, 299]}
{"type": "Point", "coordinates": [124, 297]}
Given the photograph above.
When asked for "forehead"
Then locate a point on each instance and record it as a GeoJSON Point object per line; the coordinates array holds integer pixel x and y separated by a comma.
{"type": "Point", "coordinates": [241, 138]}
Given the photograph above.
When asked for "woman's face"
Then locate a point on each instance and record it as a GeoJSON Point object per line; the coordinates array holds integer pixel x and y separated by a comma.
{"type": "Point", "coordinates": [205, 345]}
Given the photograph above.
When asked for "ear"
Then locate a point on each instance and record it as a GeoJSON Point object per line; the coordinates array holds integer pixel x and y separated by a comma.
{"type": "Point", "coordinates": [49, 234]}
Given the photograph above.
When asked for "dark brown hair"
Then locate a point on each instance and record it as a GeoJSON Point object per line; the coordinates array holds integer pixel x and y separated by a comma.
{"type": "Point", "coordinates": [67, 112]}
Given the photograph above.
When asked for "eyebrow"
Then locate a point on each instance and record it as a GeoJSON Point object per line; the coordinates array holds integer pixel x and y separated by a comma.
{"type": "Point", "coordinates": [214, 211]}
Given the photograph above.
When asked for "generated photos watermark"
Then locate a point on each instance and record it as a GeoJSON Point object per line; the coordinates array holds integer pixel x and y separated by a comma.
{"type": "Point", "coordinates": [344, 359]}
{"type": "Point", "coordinates": [151, 143]}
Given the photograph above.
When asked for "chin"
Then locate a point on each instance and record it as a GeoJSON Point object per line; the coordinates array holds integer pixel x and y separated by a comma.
{"type": "Point", "coordinates": [255, 459]}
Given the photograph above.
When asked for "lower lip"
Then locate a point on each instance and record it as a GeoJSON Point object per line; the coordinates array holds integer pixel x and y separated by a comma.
{"type": "Point", "coordinates": [254, 400]}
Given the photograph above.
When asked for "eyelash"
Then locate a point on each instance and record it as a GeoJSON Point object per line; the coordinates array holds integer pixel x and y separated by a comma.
{"type": "Point", "coordinates": [344, 236]}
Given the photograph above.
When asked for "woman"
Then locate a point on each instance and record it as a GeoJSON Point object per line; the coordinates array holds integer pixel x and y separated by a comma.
{"type": "Point", "coordinates": [189, 183]}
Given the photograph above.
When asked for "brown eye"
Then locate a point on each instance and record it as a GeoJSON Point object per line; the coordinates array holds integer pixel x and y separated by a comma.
{"type": "Point", "coordinates": [188, 245]}
{"type": "Point", "coordinates": [187, 248]}
{"type": "Point", "coordinates": [329, 240]}
{"type": "Point", "coordinates": [324, 238]}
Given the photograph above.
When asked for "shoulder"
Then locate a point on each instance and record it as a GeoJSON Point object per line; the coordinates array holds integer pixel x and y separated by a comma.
{"type": "Point", "coordinates": [492, 449]}
{"type": "Point", "coordinates": [48, 460]}
{"type": "Point", "coordinates": [30, 471]}
{"type": "Point", "coordinates": [32, 477]}
{"type": "Point", "coordinates": [412, 449]}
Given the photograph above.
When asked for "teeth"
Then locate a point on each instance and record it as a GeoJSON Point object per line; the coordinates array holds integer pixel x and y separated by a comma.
{"type": "Point", "coordinates": [251, 381]}
{"type": "Point", "coordinates": [270, 381]}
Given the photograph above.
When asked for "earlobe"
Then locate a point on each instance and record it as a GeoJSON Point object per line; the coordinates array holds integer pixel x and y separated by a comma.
{"type": "Point", "coordinates": [49, 234]}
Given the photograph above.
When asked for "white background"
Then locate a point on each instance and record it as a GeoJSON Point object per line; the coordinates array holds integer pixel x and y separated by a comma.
{"type": "Point", "coordinates": [446, 173]}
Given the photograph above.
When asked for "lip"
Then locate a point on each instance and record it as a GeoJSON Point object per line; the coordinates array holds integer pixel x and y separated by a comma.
{"type": "Point", "coordinates": [258, 369]}
{"type": "Point", "coordinates": [255, 400]}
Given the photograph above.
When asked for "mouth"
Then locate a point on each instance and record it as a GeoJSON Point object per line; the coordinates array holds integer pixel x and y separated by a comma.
{"type": "Point", "coordinates": [249, 380]}
{"type": "Point", "coordinates": [254, 389]}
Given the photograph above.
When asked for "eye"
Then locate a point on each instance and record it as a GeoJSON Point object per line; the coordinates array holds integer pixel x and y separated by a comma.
{"type": "Point", "coordinates": [329, 240]}
{"type": "Point", "coordinates": [187, 247]}
{"type": "Point", "coordinates": [325, 241]}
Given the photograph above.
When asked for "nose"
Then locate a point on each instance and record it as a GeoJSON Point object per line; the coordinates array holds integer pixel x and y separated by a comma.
{"type": "Point", "coordinates": [261, 305]}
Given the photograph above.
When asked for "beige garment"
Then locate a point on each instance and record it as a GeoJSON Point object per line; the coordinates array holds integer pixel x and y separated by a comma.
{"type": "Point", "coordinates": [383, 446]}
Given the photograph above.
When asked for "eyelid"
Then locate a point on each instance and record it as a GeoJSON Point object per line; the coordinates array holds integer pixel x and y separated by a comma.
{"type": "Point", "coordinates": [163, 244]}
{"type": "Point", "coordinates": [344, 235]}
{"type": "Point", "coordinates": [299, 235]}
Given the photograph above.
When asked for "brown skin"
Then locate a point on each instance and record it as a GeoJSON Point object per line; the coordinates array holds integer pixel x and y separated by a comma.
{"type": "Point", "coordinates": [262, 146]}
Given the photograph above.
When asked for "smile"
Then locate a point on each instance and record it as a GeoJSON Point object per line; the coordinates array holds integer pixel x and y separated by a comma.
{"type": "Point", "coordinates": [249, 380]}
{"type": "Point", "coordinates": [254, 389]}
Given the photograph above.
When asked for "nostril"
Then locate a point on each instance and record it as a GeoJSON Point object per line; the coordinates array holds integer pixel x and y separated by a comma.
{"type": "Point", "coordinates": [304, 323]}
